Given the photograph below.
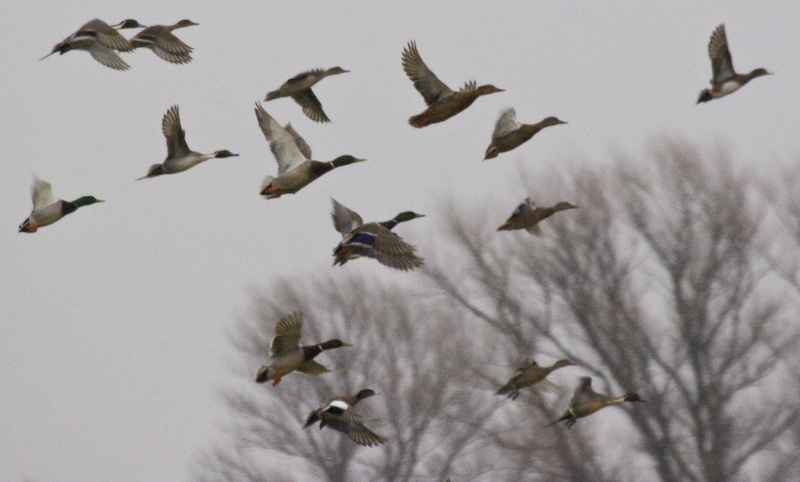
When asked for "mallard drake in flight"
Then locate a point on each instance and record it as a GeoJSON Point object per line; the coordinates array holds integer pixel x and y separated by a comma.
{"type": "Point", "coordinates": [529, 373]}
{"type": "Point", "coordinates": [179, 156]}
{"type": "Point", "coordinates": [289, 355]}
{"type": "Point", "coordinates": [161, 40]}
{"type": "Point", "coordinates": [48, 209]}
{"type": "Point", "coordinates": [299, 89]}
{"type": "Point", "coordinates": [586, 401]}
{"type": "Point", "coordinates": [724, 80]}
{"type": "Point", "coordinates": [527, 216]}
{"type": "Point", "coordinates": [373, 240]}
{"type": "Point", "coordinates": [295, 167]}
{"type": "Point", "coordinates": [509, 134]}
{"type": "Point", "coordinates": [339, 414]}
{"type": "Point", "coordinates": [100, 40]}
{"type": "Point", "coordinates": [443, 102]}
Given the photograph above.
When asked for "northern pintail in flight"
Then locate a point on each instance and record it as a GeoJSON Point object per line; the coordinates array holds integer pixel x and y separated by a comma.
{"type": "Point", "coordinates": [586, 401]}
{"type": "Point", "coordinates": [179, 156]}
{"type": "Point", "coordinates": [299, 89]}
{"type": "Point", "coordinates": [161, 40]}
{"type": "Point", "coordinates": [100, 40]}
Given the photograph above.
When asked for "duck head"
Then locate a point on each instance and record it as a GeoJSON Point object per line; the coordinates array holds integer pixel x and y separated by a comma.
{"type": "Point", "coordinates": [407, 216]}
{"type": "Point", "coordinates": [564, 206]}
{"type": "Point", "coordinates": [185, 23]}
{"type": "Point", "coordinates": [128, 23]}
{"type": "Point", "coordinates": [633, 397]}
{"type": "Point", "coordinates": [488, 89]}
{"type": "Point", "coordinates": [224, 153]}
{"type": "Point", "coordinates": [758, 73]}
{"type": "Point", "coordinates": [552, 121]}
{"type": "Point", "coordinates": [345, 160]}
{"type": "Point", "coordinates": [336, 70]}
{"type": "Point", "coordinates": [86, 201]}
{"type": "Point", "coordinates": [365, 393]}
{"type": "Point", "coordinates": [335, 343]}
{"type": "Point", "coordinates": [562, 363]}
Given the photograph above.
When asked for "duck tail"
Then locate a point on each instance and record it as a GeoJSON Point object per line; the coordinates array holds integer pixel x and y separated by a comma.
{"type": "Point", "coordinates": [419, 121]}
{"type": "Point", "coordinates": [266, 184]}
{"type": "Point", "coordinates": [155, 170]}
{"type": "Point", "coordinates": [705, 96]}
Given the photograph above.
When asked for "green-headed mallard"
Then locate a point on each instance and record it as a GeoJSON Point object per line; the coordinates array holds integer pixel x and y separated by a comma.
{"type": "Point", "coordinates": [443, 102]}
{"type": "Point", "coordinates": [339, 414]}
{"type": "Point", "coordinates": [509, 134]}
{"type": "Point", "coordinates": [179, 156]}
{"type": "Point", "coordinates": [295, 167]}
{"type": "Point", "coordinates": [100, 40]}
{"type": "Point", "coordinates": [529, 373]}
{"type": "Point", "coordinates": [374, 240]}
{"type": "Point", "coordinates": [724, 80]}
{"type": "Point", "coordinates": [527, 216]}
{"type": "Point", "coordinates": [299, 89]}
{"type": "Point", "coordinates": [160, 39]}
{"type": "Point", "coordinates": [289, 355]}
{"type": "Point", "coordinates": [586, 401]}
{"type": "Point", "coordinates": [48, 209]}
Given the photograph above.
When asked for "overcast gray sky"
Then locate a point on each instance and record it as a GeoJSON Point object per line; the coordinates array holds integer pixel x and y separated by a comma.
{"type": "Point", "coordinates": [113, 344]}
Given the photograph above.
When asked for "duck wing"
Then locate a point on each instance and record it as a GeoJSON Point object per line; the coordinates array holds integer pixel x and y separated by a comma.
{"type": "Point", "coordinates": [281, 142]}
{"type": "Point", "coordinates": [42, 193]}
{"type": "Point", "coordinates": [344, 220]}
{"type": "Point", "coordinates": [174, 133]}
{"type": "Point", "coordinates": [425, 81]}
{"type": "Point", "coordinates": [303, 78]}
{"type": "Point", "coordinates": [305, 149]}
{"type": "Point", "coordinates": [721, 61]}
{"type": "Point", "coordinates": [352, 425]}
{"type": "Point", "coordinates": [104, 34]}
{"type": "Point", "coordinates": [374, 237]}
{"type": "Point", "coordinates": [506, 123]}
{"type": "Point", "coordinates": [287, 335]}
{"type": "Point", "coordinates": [312, 107]}
{"type": "Point", "coordinates": [107, 57]}
{"type": "Point", "coordinates": [159, 37]}
{"type": "Point", "coordinates": [312, 368]}
{"type": "Point", "coordinates": [583, 393]}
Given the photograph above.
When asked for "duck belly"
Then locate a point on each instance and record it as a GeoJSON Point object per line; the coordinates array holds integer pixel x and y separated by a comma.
{"type": "Point", "coordinates": [726, 88]}
{"type": "Point", "coordinates": [48, 214]}
{"type": "Point", "coordinates": [171, 166]}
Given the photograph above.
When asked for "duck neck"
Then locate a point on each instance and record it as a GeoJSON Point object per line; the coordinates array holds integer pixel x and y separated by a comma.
{"type": "Point", "coordinates": [389, 224]}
